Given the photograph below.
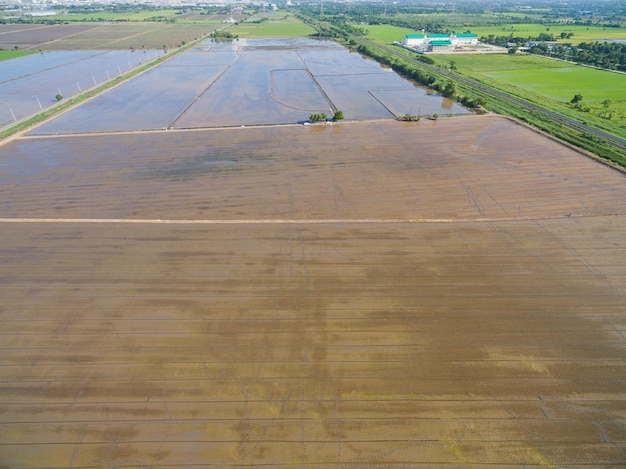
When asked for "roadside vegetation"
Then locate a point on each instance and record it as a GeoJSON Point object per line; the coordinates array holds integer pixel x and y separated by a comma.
{"type": "Point", "coordinates": [322, 117]}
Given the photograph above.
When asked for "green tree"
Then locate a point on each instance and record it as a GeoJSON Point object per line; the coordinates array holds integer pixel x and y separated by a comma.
{"type": "Point", "coordinates": [449, 91]}
{"type": "Point", "coordinates": [338, 115]}
{"type": "Point", "coordinates": [576, 99]}
{"type": "Point", "coordinates": [316, 117]}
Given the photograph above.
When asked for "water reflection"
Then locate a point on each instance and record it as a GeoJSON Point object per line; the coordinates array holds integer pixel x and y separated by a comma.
{"type": "Point", "coordinates": [254, 82]}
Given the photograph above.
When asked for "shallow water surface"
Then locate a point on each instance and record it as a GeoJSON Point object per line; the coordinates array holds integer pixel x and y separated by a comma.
{"type": "Point", "coordinates": [253, 82]}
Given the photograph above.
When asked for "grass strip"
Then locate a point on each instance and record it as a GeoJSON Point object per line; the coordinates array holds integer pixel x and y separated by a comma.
{"type": "Point", "coordinates": [12, 54]}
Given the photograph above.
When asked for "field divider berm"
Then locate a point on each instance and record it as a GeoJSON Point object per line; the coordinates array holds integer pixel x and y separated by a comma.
{"type": "Point", "coordinates": [295, 221]}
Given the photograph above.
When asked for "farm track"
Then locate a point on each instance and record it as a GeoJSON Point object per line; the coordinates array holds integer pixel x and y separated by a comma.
{"type": "Point", "coordinates": [287, 221]}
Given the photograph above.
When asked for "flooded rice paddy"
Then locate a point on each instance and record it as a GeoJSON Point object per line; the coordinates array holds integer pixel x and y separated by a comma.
{"type": "Point", "coordinates": [365, 294]}
{"type": "Point", "coordinates": [31, 83]}
{"type": "Point", "coordinates": [253, 82]}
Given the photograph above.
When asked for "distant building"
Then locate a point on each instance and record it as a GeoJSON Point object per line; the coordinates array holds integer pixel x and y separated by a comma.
{"type": "Point", "coordinates": [464, 39]}
{"type": "Point", "coordinates": [414, 40]}
{"type": "Point", "coordinates": [441, 45]}
{"type": "Point", "coordinates": [40, 13]}
{"type": "Point", "coordinates": [439, 42]}
{"type": "Point", "coordinates": [438, 37]}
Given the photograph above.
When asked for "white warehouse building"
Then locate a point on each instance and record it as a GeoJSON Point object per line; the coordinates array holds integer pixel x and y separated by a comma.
{"type": "Point", "coordinates": [414, 40]}
{"type": "Point", "coordinates": [464, 39]}
{"type": "Point", "coordinates": [432, 42]}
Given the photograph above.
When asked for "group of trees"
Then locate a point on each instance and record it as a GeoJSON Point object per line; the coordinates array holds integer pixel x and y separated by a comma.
{"type": "Point", "coordinates": [512, 39]}
{"type": "Point", "coordinates": [400, 66]}
{"type": "Point", "coordinates": [608, 55]}
{"type": "Point", "coordinates": [318, 117]}
{"type": "Point", "coordinates": [448, 88]}
{"type": "Point", "coordinates": [220, 34]}
{"type": "Point", "coordinates": [352, 18]}
{"type": "Point", "coordinates": [321, 116]}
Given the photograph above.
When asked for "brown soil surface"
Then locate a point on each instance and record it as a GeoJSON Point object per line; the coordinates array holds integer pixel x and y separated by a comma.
{"type": "Point", "coordinates": [100, 35]}
{"type": "Point", "coordinates": [36, 36]}
{"type": "Point", "coordinates": [372, 294]}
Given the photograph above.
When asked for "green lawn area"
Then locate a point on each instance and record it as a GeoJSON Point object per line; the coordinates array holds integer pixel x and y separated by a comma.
{"type": "Point", "coordinates": [563, 83]}
{"type": "Point", "coordinates": [387, 33]}
{"type": "Point", "coordinates": [11, 54]}
{"type": "Point", "coordinates": [551, 78]}
{"type": "Point", "coordinates": [483, 63]}
{"type": "Point", "coordinates": [279, 24]}
{"type": "Point", "coordinates": [554, 81]}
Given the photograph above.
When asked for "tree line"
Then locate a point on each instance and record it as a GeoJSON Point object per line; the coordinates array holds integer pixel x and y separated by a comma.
{"type": "Point", "coordinates": [405, 68]}
{"type": "Point", "coordinates": [608, 55]}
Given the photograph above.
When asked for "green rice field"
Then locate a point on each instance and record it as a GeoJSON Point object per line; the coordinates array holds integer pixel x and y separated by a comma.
{"type": "Point", "coordinates": [486, 63]}
{"type": "Point", "coordinates": [562, 83]}
{"type": "Point", "coordinates": [603, 92]}
{"type": "Point", "coordinates": [551, 78]}
{"type": "Point", "coordinates": [387, 33]}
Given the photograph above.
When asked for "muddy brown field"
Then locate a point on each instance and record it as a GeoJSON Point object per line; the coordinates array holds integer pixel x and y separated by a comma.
{"type": "Point", "coordinates": [373, 294]}
{"type": "Point", "coordinates": [100, 36]}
